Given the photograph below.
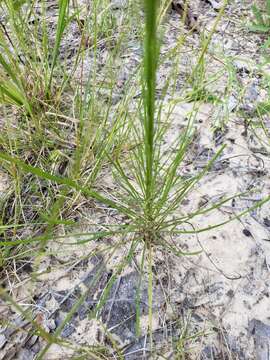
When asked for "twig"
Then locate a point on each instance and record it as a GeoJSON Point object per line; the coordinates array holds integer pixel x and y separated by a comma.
{"type": "Point", "coordinates": [113, 299]}
{"type": "Point", "coordinates": [10, 41]}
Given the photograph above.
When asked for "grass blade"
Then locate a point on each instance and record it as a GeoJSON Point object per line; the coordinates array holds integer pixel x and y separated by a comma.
{"type": "Point", "coordinates": [61, 24]}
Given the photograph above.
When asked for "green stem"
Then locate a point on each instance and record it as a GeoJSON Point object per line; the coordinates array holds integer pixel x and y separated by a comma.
{"type": "Point", "coordinates": [150, 66]}
{"type": "Point", "coordinates": [150, 297]}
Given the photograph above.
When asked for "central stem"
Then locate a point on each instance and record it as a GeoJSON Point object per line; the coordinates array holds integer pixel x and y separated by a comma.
{"type": "Point", "coordinates": [150, 67]}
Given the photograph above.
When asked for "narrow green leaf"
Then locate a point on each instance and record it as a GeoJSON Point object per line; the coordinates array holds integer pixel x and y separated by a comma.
{"type": "Point", "coordinates": [263, 108]}
{"type": "Point", "coordinates": [257, 14]}
{"type": "Point", "coordinates": [268, 7]}
{"type": "Point", "coordinates": [259, 28]}
{"type": "Point", "coordinates": [66, 181]}
{"type": "Point", "coordinates": [61, 24]}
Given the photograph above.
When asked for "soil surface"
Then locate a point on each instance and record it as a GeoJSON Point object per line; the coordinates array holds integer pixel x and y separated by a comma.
{"type": "Point", "coordinates": [222, 295]}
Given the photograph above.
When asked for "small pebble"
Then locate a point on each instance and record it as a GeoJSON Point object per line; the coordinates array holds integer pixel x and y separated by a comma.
{"type": "Point", "coordinates": [266, 222]}
{"type": "Point", "coordinates": [68, 330]}
{"type": "Point", "coordinates": [247, 233]}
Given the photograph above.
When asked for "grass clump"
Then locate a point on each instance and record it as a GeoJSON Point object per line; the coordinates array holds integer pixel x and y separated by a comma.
{"type": "Point", "coordinates": [57, 125]}
{"type": "Point", "coordinates": [261, 22]}
{"type": "Point", "coordinates": [63, 144]}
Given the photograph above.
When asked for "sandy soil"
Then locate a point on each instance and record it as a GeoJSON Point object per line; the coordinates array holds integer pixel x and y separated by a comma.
{"type": "Point", "coordinates": [222, 294]}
